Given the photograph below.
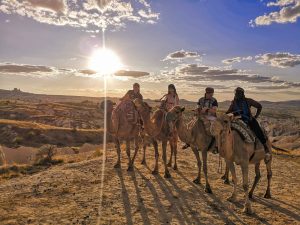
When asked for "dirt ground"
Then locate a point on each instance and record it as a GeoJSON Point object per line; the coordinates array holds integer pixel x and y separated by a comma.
{"type": "Point", "coordinates": [70, 194]}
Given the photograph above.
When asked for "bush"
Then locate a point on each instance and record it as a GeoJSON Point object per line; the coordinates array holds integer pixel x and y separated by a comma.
{"type": "Point", "coordinates": [45, 154]}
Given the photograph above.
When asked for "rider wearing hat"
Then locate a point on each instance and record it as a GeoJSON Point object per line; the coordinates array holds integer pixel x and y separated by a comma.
{"type": "Point", "coordinates": [241, 106]}
{"type": "Point", "coordinates": [207, 106]}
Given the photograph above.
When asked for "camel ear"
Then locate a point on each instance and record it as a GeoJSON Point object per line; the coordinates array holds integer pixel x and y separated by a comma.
{"type": "Point", "coordinates": [182, 109]}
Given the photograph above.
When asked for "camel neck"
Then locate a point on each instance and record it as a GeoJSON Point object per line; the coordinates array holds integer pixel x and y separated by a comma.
{"type": "Point", "coordinates": [182, 130]}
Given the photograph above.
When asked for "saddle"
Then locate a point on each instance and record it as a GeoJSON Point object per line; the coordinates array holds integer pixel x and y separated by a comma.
{"type": "Point", "coordinates": [126, 110]}
{"type": "Point", "coordinates": [244, 131]}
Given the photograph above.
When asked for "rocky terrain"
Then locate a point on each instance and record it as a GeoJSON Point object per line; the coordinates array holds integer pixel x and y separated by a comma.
{"type": "Point", "coordinates": [70, 193]}
{"type": "Point", "coordinates": [67, 189]}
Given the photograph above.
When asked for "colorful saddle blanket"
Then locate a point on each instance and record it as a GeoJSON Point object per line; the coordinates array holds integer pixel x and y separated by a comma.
{"type": "Point", "coordinates": [244, 131]}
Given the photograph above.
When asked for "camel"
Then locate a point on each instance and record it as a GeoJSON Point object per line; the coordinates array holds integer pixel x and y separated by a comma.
{"type": "Point", "coordinates": [157, 128]}
{"type": "Point", "coordinates": [236, 150]}
{"type": "Point", "coordinates": [122, 130]}
{"type": "Point", "coordinates": [195, 134]}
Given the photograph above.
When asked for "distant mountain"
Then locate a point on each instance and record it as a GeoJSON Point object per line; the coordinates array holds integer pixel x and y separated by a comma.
{"type": "Point", "coordinates": [17, 94]}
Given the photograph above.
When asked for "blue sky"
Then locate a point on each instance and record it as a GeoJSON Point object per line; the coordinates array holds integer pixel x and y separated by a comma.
{"type": "Point", "coordinates": [215, 29]}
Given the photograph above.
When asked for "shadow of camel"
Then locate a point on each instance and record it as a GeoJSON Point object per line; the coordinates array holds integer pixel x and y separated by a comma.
{"type": "Point", "coordinates": [160, 208]}
{"type": "Point", "coordinates": [141, 204]}
{"type": "Point", "coordinates": [216, 205]}
{"type": "Point", "coordinates": [125, 198]}
{"type": "Point", "coordinates": [278, 208]}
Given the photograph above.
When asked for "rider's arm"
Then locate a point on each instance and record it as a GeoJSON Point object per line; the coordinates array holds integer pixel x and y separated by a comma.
{"type": "Point", "coordinates": [256, 105]}
{"type": "Point", "coordinates": [126, 96]}
{"type": "Point", "coordinates": [230, 109]}
{"type": "Point", "coordinates": [214, 107]}
{"type": "Point", "coordinates": [176, 100]}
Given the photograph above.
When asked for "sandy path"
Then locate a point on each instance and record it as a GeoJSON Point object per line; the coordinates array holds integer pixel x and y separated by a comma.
{"type": "Point", "coordinates": [69, 194]}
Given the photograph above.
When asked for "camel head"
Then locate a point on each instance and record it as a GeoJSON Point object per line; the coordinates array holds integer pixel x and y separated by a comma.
{"type": "Point", "coordinates": [109, 105]}
{"type": "Point", "coordinates": [142, 106]}
{"type": "Point", "coordinates": [222, 123]}
{"type": "Point", "coordinates": [173, 115]}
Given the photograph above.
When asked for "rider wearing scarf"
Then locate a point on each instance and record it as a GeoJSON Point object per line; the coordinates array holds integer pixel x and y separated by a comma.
{"type": "Point", "coordinates": [241, 106]}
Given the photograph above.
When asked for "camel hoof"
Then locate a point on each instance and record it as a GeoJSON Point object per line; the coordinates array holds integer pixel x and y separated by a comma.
{"type": "Point", "coordinates": [167, 175]}
{"type": "Point", "coordinates": [247, 210]}
{"type": "Point", "coordinates": [130, 168]}
{"type": "Point", "coordinates": [267, 195]}
{"type": "Point", "coordinates": [175, 167]}
{"type": "Point", "coordinates": [169, 164]}
{"type": "Point", "coordinates": [154, 172]}
{"type": "Point", "coordinates": [250, 196]}
{"type": "Point", "coordinates": [226, 181]}
{"type": "Point", "coordinates": [223, 177]}
{"type": "Point", "coordinates": [231, 199]}
{"type": "Point", "coordinates": [208, 189]}
{"type": "Point", "coordinates": [143, 162]}
{"type": "Point", "coordinates": [196, 181]}
{"type": "Point", "coordinates": [117, 165]}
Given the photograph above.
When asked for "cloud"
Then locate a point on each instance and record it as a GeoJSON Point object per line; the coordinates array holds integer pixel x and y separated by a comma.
{"type": "Point", "coordinates": [128, 73]}
{"type": "Point", "coordinates": [194, 75]}
{"type": "Point", "coordinates": [182, 54]}
{"type": "Point", "coordinates": [23, 68]}
{"type": "Point", "coordinates": [236, 60]}
{"type": "Point", "coordinates": [279, 59]}
{"type": "Point", "coordinates": [289, 13]}
{"type": "Point", "coordinates": [88, 14]}
{"type": "Point", "coordinates": [87, 72]}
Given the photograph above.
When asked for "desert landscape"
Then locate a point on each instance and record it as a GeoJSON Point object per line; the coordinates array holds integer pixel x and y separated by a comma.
{"type": "Point", "coordinates": [66, 189]}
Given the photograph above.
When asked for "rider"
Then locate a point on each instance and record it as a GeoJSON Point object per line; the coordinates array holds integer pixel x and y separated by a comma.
{"type": "Point", "coordinates": [133, 94]}
{"type": "Point", "coordinates": [171, 99]}
{"type": "Point", "coordinates": [207, 106]}
{"type": "Point", "coordinates": [241, 106]}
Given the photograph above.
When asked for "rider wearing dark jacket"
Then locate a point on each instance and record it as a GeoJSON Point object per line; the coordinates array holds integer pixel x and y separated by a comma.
{"type": "Point", "coordinates": [241, 106]}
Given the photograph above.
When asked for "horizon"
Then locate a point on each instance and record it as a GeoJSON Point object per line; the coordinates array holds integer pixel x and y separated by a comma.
{"type": "Point", "coordinates": [47, 47]}
{"type": "Point", "coordinates": [151, 99]}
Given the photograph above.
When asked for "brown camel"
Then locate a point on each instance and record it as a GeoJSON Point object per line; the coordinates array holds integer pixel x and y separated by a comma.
{"type": "Point", "coordinates": [195, 134]}
{"type": "Point", "coordinates": [236, 150]}
{"type": "Point", "coordinates": [120, 130]}
{"type": "Point", "coordinates": [157, 128]}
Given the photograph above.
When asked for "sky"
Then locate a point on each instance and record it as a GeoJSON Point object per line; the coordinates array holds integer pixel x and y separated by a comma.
{"type": "Point", "coordinates": [46, 46]}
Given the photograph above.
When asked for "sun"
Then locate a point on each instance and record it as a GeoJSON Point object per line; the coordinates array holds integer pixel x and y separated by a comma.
{"type": "Point", "coordinates": [105, 62]}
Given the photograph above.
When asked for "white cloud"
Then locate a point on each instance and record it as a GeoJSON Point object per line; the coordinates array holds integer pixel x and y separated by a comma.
{"type": "Point", "coordinates": [236, 60]}
{"type": "Point", "coordinates": [289, 12]}
{"type": "Point", "coordinates": [182, 54]}
{"type": "Point", "coordinates": [89, 14]}
{"type": "Point", "coordinates": [279, 59]}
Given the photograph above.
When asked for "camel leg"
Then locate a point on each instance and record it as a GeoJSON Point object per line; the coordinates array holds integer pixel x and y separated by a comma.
{"type": "Point", "coordinates": [196, 153]}
{"type": "Point", "coordinates": [175, 155]}
{"type": "Point", "coordinates": [144, 154]}
{"type": "Point", "coordinates": [128, 155]}
{"type": "Point", "coordinates": [231, 167]}
{"type": "Point", "coordinates": [171, 156]}
{"type": "Point", "coordinates": [225, 177]}
{"type": "Point", "coordinates": [247, 205]}
{"type": "Point", "coordinates": [164, 148]}
{"type": "Point", "coordinates": [155, 145]}
{"type": "Point", "coordinates": [269, 176]}
{"type": "Point", "coordinates": [204, 158]}
{"type": "Point", "coordinates": [136, 149]}
{"type": "Point", "coordinates": [118, 148]}
{"type": "Point", "coordinates": [256, 179]}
